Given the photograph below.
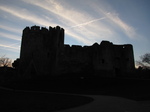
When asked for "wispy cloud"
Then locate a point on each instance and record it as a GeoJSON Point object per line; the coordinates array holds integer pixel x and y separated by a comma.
{"type": "Point", "coordinates": [79, 25]}
{"type": "Point", "coordinates": [26, 15]}
{"type": "Point", "coordinates": [114, 19]}
{"type": "Point", "coordinates": [57, 9]}
{"type": "Point", "coordinates": [78, 37]}
{"type": "Point", "coordinates": [10, 28]}
{"type": "Point", "coordinates": [86, 23]}
{"type": "Point", "coordinates": [127, 29]}
{"type": "Point", "coordinates": [12, 46]}
{"type": "Point", "coordinates": [10, 36]}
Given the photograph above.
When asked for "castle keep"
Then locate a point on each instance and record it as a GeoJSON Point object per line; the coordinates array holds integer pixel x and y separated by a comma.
{"type": "Point", "coordinates": [43, 52]}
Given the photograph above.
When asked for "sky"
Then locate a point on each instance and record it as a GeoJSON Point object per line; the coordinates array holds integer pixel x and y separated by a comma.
{"type": "Point", "coordinates": [85, 22]}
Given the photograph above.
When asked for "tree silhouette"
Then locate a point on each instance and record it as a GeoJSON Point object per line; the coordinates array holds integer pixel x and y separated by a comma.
{"type": "Point", "coordinates": [5, 62]}
{"type": "Point", "coordinates": [144, 61]}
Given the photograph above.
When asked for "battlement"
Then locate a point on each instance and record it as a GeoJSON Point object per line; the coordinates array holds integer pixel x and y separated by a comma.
{"type": "Point", "coordinates": [124, 46]}
{"type": "Point", "coordinates": [42, 29]}
{"type": "Point", "coordinates": [51, 37]}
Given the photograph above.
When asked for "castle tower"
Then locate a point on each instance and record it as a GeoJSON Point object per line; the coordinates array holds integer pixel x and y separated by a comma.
{"type": "Point", "coordinates": [111, 60]}
{"type": "Point", "coordinates": [40, 49]}
{"type": "Point", "coordinates": [123, 59]}
{"type": "Point", "coordinates": [128, 58]}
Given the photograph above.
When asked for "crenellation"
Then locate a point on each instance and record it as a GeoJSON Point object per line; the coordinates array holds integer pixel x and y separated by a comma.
{"type": "Point", "coordinates": [44, 29]}
{"type": "Point", "coordinates": [57, 27]}
{"type": "Point", "coordinates": [45, 49]}
{"type": "Point", "coordinates": [26, 30]}
{"type": "Point", "coordinates": [38, 28]}
{"type": "Point", "coordinates": [50, 28]}
{"type": "Point", "coordinates": [35, 28]}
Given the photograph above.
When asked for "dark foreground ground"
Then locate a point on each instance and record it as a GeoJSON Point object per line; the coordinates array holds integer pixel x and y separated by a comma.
{"type": "Point", "coordinates": [19, 101]}
{"type": "Point", "coordinates": [135, 89]}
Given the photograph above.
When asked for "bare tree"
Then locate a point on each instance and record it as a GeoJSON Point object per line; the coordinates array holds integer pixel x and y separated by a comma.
{"type": "Point", "coordinates": [144, 61]}
{"type": "Point", "coordinates": [5, 62]}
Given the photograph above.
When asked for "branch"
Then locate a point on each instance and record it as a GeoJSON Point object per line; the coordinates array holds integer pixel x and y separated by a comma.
{"type": "Point", "coordinates": [5, 61]}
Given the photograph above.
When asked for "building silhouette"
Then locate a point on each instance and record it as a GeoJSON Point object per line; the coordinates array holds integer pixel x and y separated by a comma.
{"type": "Point", "coordinates": [43, 52]}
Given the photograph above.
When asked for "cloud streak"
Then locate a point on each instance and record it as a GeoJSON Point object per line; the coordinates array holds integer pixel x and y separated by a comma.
{"type": "Point", "coordinates": [25, 15]}
{"type": "Point", "coordinates": [128, 30]}
{"type": "Point", "coordinates": [79, 24]}
{"type": "Point", "coordinates": [72, 21]}
{"type": "Point", "coordinates": [56, 9]}
{"type": "Point", "coordinates": [67, 16]}
{"type": "Point", "coordinates": [114, 19]}
{"type": "Point", "coordinates": [86, 23]}
{"type": "Point", "coordinates": [10, 36]}
{"type": "Point", "coordinates": [10, 29]}
{"type": "Point", "coordinates": [10, 46]}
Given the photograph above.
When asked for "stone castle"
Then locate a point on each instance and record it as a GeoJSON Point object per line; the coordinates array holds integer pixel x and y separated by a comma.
{"type": "Point", "coordinates": [43, 52]}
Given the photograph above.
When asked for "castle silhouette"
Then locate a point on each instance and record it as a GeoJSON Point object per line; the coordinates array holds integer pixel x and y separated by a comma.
{"type": "Point", "coordinates": [43, 52]}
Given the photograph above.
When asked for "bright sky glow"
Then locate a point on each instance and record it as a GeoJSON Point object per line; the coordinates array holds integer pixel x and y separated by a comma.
{"type": "Point", "coordinates": [85, 22]}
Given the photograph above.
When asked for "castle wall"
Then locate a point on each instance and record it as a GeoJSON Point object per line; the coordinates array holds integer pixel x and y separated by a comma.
{"type": "Point", "coordinates": [75, 59]}
{"type": "Point", "coordinates": [103, 59]}
{"type": "Point", "coordinates": [44, 50]}
{"type": "Point", "coordinates": [106, 59]}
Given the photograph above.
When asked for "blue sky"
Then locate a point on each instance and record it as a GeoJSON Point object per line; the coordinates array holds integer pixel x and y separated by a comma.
{"type": "Point", "coordinates": [85, 22]}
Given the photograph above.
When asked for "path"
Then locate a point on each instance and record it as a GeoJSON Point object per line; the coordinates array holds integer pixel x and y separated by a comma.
{"type": "Point", "coordinates": [111, 104]}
